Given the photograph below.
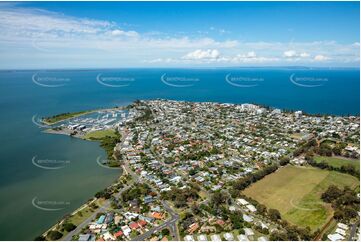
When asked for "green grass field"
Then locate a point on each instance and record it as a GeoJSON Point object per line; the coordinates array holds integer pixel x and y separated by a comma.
{"type": "Point", "coordinates": [296, 191]}
{"type": "Point", "coordinates": [63, 116]}
{"type": "Point", "coordinates": [80, 216]}
{"type": "Point", "coordinates": [99, 134]}
{"type": "Point", "coordinates": [296, 136]}
{"type": "Point", "coordinates": [338, 162]}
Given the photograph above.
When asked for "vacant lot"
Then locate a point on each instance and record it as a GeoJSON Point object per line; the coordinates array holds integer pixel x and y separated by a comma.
{"type": "Point", "coordinates": [296, 191]}
{"type": "Point", "coordinates": [338, 162]}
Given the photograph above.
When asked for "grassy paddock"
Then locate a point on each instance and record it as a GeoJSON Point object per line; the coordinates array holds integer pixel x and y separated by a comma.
{"type": "Point", "coordinates": [99, 134]}
{"type": "Point", "coordinates": [296, 191]}
{"type": "Point", "coordinates": [338, 162]}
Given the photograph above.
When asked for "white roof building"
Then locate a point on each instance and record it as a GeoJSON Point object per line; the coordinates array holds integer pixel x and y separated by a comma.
{"type": "Point", "coordinates": [232, 208]}
{"type": "Point", "coordinates": [298, 114]}
{"type": "Point", "coordinates": [241, 201]}
{"type": "Point", "coordinates": [126, 230]}
{"type": "Point", "coordinates": [247, 218]}
{"type": "Point", "coordinates": [228, 236]}
{"type": "Point", "coordinates": [108, 236]}
{"type": "Point", "coordinates": [335, 237]}
{"type": "Point", "coordinates": [188, 238]}
{"type": "Point", "coordinates": [263, 225]}
{"type": "Point", "coordinates": [215, 237]}
{"type": "Point", "coordinates": [248, 232]}
{"type": "Point", "coordinates": [251, 208]}
{"type": "Point", "coordinates": [340, 231]}
{"type": "Point", "coordinates": [202, 237]}
{"type": "Point", "coordinates": [242, 237]}
{"type": "Point", "coordinates": [342, 226]}
{"type": "Point", "coordinates": [262, 239]}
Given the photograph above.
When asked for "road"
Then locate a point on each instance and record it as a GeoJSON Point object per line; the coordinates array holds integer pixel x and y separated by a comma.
{"type": "Point", "coordinates": [353, 230]}
{"type": "Point", "coordinates": [86, 222]}
{"type": "Point", "coordinates": [171, 223]}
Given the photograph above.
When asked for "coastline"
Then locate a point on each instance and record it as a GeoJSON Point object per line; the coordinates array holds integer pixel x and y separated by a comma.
{"type": "Point", "coordinates": [78, 114]}
{"type": "Point", "coordinates": [87, 204]}
{"type": "Point", "coordinates": [93, 200]}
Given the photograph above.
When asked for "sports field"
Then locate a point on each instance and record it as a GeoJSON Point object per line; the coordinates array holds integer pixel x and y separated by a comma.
{"type": "Point", "coordinates": [99, 134]}
{"type": "Point", "coordinates": [338, 162]}
{"type": "Point", "coordinates": [296, 191]}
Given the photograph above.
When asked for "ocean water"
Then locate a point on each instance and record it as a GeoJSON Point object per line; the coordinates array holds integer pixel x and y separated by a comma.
{"type": "Point", "coordinates": [26, 95]}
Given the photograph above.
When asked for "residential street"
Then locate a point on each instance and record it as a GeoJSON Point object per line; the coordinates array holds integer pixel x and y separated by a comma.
{"type": "Point", "coordinates": [101, 209]}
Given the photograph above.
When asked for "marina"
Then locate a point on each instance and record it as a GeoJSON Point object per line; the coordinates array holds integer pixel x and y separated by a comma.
{"type": "Point", "coordinates": [93, 121]}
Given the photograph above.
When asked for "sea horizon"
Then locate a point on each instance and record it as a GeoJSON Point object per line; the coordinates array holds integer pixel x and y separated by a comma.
{"type": "Point", "coordinates": [68, 69]}
{"type": "Point", "coordinates": [185, 68]}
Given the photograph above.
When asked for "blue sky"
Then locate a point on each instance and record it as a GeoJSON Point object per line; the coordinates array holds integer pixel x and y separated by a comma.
{"type": "Point", "coordinates": [178, 34]}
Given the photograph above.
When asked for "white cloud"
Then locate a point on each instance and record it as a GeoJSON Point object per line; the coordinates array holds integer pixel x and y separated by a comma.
{"type": "Point", "coordinates": [304, 55]}
{"type": "Point", "coordinates": [251, 54]}
{"type": "Point", "coordinates": [203, 54]}
{"type": "Point", "coordinates": [251, 57]}
{"type": "Point", "coordinates": [219, 30]}
{"type": "Point", "coordinates": [321, 58]}
{"type": "Point", "coordinates": [33, 35]}
{"type": "Point", "coordinates": [24, 25]}
{"type": "Point", "coordinates": [289, 54]}
{"type": "Point", "coordinates": [39, 21]}
{"type": "Point", "coordinates": [214, 56]}
{"type": "Point", "coordinates": [118, 32]}
{"type": "Point", "coordinates": [162, 60]}
{"type": "Point", "coordinates": [295, 54]}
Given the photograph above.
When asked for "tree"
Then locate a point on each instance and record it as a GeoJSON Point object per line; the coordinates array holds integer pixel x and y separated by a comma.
{"type": "Point", "coordinates": [237, 219]}
{"type": "Point", "coordinates": [309, 155]}
{"type": "Point", "coordinates": [39, 238]}
{"type": "Point", "coordinates": [274, 214]}
{"type": "Point", "coordinates": [325, 150]}
{"type": "Point", "coordinates": [284, 161]}
{"type": "Point", "coordinates": [278, 236]}
{"type": "Point", "coordinates": [219, 198]}
{"type": "Point", "coordinates": [165, 232]}
{"type": "Point", "coordinates": [195, 209]}
{"type": "Point", "coordinates": [338, 214]}
{"type": "Point", "coordinates": [345, 202]}
{"type": "Point", "coordinates": [192, 172]}
{"type": "Point", "coordinates": [331, 194]}
{"type": "Point", "coordinates": [350, 169]}
{"type": "Point", "coordinates": [350, 212]}
{"type": "Point", "coordinates": [54, 235]}
{"type": "Point", "coordinates": [337, 150]}
{"type": "Point", "coordinates": [305, 233]}
{"type": "Point", "coordinates": [69, 227]}
{"type": "Point", "coordinates": [262, 209]}
{"type": "Point", "coordinates": [292, 233]}
{"type": "Point", "coordinates": [103, 194]}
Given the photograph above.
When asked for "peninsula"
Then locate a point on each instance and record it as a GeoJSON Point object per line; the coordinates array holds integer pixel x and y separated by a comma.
{"type": "Point", "coordinates": [218, 171]}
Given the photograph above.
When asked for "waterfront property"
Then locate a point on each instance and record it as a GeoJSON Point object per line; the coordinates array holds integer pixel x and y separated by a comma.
{"type": "Point", "coordinates": [199, 158]}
